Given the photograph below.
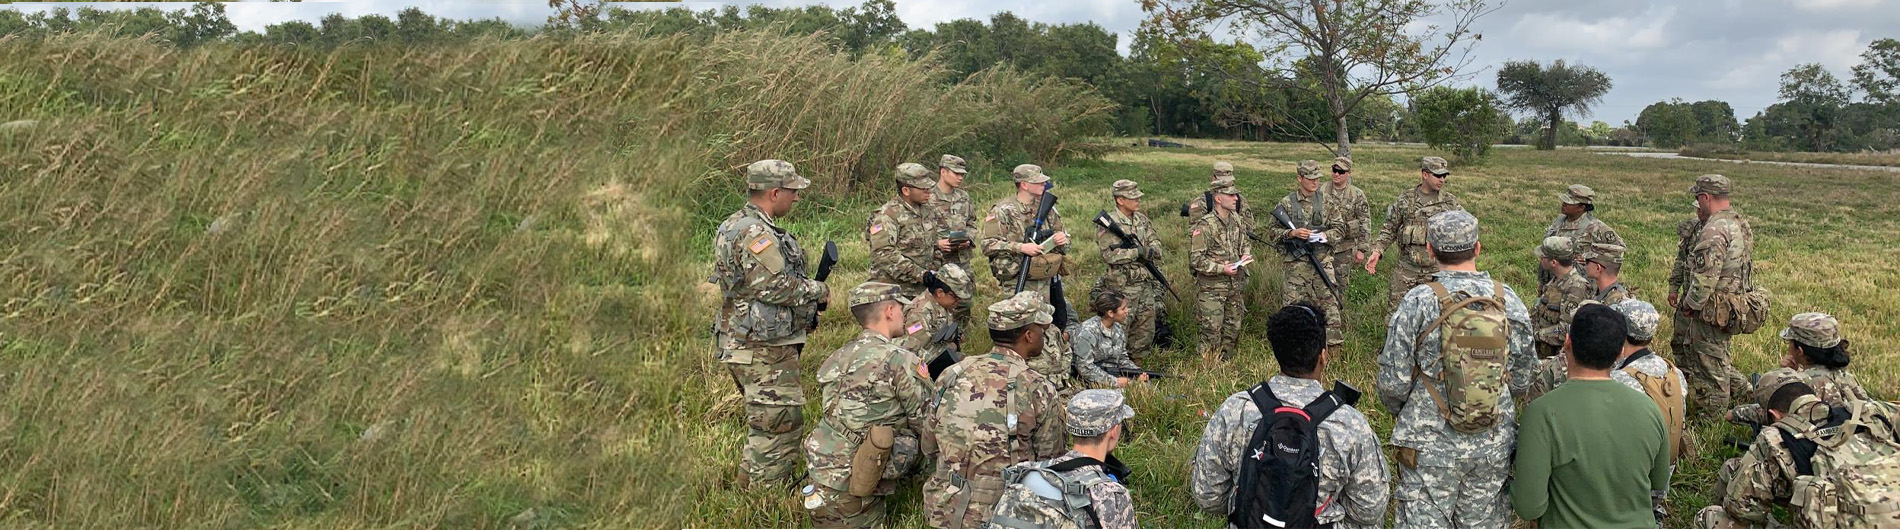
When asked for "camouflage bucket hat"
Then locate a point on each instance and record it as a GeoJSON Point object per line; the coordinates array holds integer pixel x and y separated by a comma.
{"type": "Point", "coordinates": [1435, 165]}
{"type": "Point", "coordinates": [1029, 174]}
{"type": "Point", "coordinates": [1578, 194]}
{"type": "Point", "coordinates": [914, 175]}
{"type": "Point", "coordinates": [1641, 317]}
{"type": "Point", "coordinates": [1453, 231]}
{"type": "Point", "coordinates": [1126, 189]}
{"type": "Point", "coordinates": [874, 292]}
{"type": "Point", "coordinates": [1343, 163]}
{"type": "Point", "coordinates": [1021, 310]}
{"type": "Point", "coordinates": [1555, 247]}
{"type": "Point", "coordinates": [1308, 169]}
{"type": "Point", "coordinates": [1819, 330]}
{"type": "Point", "coordinates": [953, 163]}
{"type": "Point", "coordinates": [1093, 412]}
{"type": "Point", "coordinates": [1711, 184]}
{"type": "Point", "coordinates": [1223, 168]}
{"type": "Point", "coordinates": [959, 280]}
{"type": "Point", "coordinates": [1601, 253]}
{"type": "Point", "coordinates": [1769, 382]}
{"type": "Point", "coordinates": [771, 174]}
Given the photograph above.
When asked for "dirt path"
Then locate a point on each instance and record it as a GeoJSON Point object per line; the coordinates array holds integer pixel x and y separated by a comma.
{"type": "Point", "coordinates": [1673, 156]}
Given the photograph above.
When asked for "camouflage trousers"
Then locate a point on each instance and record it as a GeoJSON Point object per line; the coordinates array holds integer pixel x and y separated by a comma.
{"type": "Point", "coordinates": [1303, 284]}
{"type": "Point", "coordinates": [1405, 276]}
{"type": "Point", "coordinates": [1702, 352]}
{"type": "Point", "coordinates": [838, 509]}
{"type": "Point", "coordinates": [1221, 304]}
{"type": "Point", "coordinates": [1343, 265]}
{"type": "Point", "coordinates": [1445, 492]}
{"type": "Point", "coordinates": [774, 409]}
{"type": "Point", "coordinates": [1715, 516]}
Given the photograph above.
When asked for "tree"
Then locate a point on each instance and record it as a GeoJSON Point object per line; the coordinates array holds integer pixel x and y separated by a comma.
{"type": "Point", "coordinates": [1715, 121]}
{"type": "Point", "coordinates": [1357, 49]}
{"type": "Point", "coordinates": [1668, 124]}
{"type": "Point", "coordinates": [1812, 99]}
{"type": "Point", "coordinates": [1878, 74]}
{"type": "Point", "coordinates": [1552, 91]}
{"type": "Point", "coordinates": [1464, 120]}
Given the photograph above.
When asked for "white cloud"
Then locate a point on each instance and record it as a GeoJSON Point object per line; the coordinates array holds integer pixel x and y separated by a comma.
{"type": "Point", "coordinates": [1567, 33]}
{"type": "Point", "coordinates": [1838, 50]}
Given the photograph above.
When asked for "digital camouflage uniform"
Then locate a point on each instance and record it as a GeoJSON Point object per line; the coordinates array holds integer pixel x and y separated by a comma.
{"type": "Point", "coordinates": [1126, 274]}
{"type": "Point", "coordinates": [1412, 264]}
{"type": "Point", "coordinates": [870, 381]}
{"type": "Point", "coordinates": [1097, 348]}
{"type": "Point", "coordinates": [990, 411]}
{"type": "Point", "coordinates": [1712, 262]}
{"type": "Point", "coordinates": [952, 211]}
{"type": "Point", "coordinates": [1836, 387]}
{"type": "Point", "coordinates": [1349, 204]}
{"type": "Point", "coordinates": [1353, 486]}
{"type": "Point", "coordinates": [1557, 300]}
{"type": "Point", "coordinates": [1303, 284]}
{"type": "Point", "coordinates": [924, 317]}
{"type": "Point", "coordinates": [1090, 413]}
{"type": "Point", "coordinates": [1583, 230]}
{"type": "Point", "coordinates": [1220, 301]}
{"type": "Point", "coordinates": [1003, 229]}
{"type": "Point", "coordinates": [903, 236]}
{"type": "Point", "coordinates": [1616, 292]}
{"type": "Point", "coordinates": [766, 303]}
{"type": "Point", "coordinates": [1459, 478]}
{"type": "Point", "coordinates": [1765, 476]}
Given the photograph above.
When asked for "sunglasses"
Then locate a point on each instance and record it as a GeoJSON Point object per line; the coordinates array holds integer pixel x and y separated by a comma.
{"type": "Point", "coordinates": [1446, 176]}
{"type": "Point", "coordinates": [1337, 171]}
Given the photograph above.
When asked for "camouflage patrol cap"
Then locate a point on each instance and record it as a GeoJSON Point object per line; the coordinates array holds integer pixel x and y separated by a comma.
{"type": "Point", "coordinates": [1711, 184]}
{"type": "Point", "coordinates": [1029, 174]}
{"type": "Point", "coordinates": [1819, 330]}
{"type": "Point", "coordinates": [1093, 412]}
{"type": "Point", "coordinates": [1126, 189]}
{"type": "Point", "coordinates": [1308, 169]}
{"type": "Point", "coordinates": [1641, 317]}
{"type": "Point", "coordinates": [1772, 380]}
{"type": "Point", "coordinates": [1223, 168]}
{"type": "Point", "coordinates": [1224, 187]}
{"type": "Point", "coordinates": [1555, 247]}
{"type": "Point", "coordinates": [1578, 194]}
{"type": "Point", "coordinates": [1342, 162]}
{"type": "Point", "coordinates": [1021, 310]}
{"type": "Point", "coordinates": [1436, 165]}
{"type": "Point", "coordinates": [953, 163]}
{"type": "Point", "coordinates": [770, 174]}
{"type": "Point", "coordinates": [958, 279]}
{"type": "Point", "coordinates": [1453, 231]}
{"type": "Point", "coordinates": [1221, 180]}
{"type": "Point", "coordinates": [914, 175]}
{"type": "Point", "coordinates": [874, 292]}
{"type": "Point", "coordinates": [1601, 252]}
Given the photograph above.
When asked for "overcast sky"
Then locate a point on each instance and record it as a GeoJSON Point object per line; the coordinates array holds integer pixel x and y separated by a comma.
{"type": "Point", "coordinates": [1653, 50]}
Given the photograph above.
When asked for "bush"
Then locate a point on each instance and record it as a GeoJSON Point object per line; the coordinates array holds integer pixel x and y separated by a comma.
{"type": "Point", "coordinates": [1464, 121]}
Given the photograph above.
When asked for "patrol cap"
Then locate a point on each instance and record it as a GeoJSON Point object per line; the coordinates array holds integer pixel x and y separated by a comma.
{"type": "Point", "coordinates": [1453, 231]}
{"type": "Point", "coordinates": [1309, 169]}
{"type": "Point", "coordinates": [1601, 252]}
{"type": "Point", "coordinates": [874, 292]}
{"type": "Point", "coordinates": [1221, 180]}
{"type": "Point", "coordinates": [1769, 382]}
{"type": "Point", "coordinates": [1126, 189]}
{"type": "Point", "coordinates": [914, 175]}
{"type": "Point", "coordinates": [953, 163]}
{"type": "Point", "coordinates": [1021, 310]}
{"type": "Point", "coordinates": [1555, 247]}
{"type": "Point", "coordinates": [1342, 162]}
{"type": "Point", "coordinates": [1819, 330]}
{"type": "Point", "coordinates": [1093, 412]}
{"type": "Point", "coordinates": [958, 279]}
{"type": "Point", "coordinates": [1578, 194]}
{"type": "Point", "coordinates": [1029, 174]}
{"type": "Point", "coordinates": [1436, 165]}
{"type": "Point", "coordinates": [771, 174]}
{"type": "Point", "coordinates": [1223, 168]}
{"type": "Point", "coordinates": [1224, 187]}
{"type": "Point", "coordinates": [1641, 317]}
{"type": "Point", "coordinates": [1711, 184]}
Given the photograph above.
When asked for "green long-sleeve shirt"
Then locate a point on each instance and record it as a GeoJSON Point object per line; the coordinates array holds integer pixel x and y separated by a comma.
{"type": "Point", "coordinates": [1588, 454]}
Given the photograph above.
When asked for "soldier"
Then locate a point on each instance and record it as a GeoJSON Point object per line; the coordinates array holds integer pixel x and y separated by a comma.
{"type": "Point", "coordinates": [1557, 300]}
{"type": "Point", "coordinates": [926, 316]}
{"type": "Point", "coordinates": [1095, 420]}
{"type": "Point", "coordinates": [1101, 345]}
{"type": "Point", "coordinates": [1353, 489]}
{"type": "Point", "coordinates": [1452, 472]}
{"type": "Point", "coordinates": [991, 411]}
{"type": "Point", "coordinates": [1603, 265]}
{"type": "Point", "coordinates": [767, 305]}
{"type": "Point", "coordinates": [873, 392]}
{"type": "Point", "coordinates": [1712, 264]}
{"type": "Point", "coordinates": [1199, 207]}
{"type": "Point", "coordinates": [955, 217]}
{"type": "Point", "coordinates": [1818, 356]}
{"type": "Point", "coordinates": [1003, 231]}
{"type": "Point", "coordinates": [1218, 255]}
{"type": "Point", "coordinates": [1578, 223]}
{"type": "Point", "coordinates": [1126, 275]}
{"type": "Point", "coordinates": [1306, 207]}
{"type": "Point", "coordinates": [1405, 223]}
{"type": "Point", "coordinates": [1349, 203]}
{"type": "Point", "coordinates": [902, 235]}
{"type": "Point", "coordinates": [1858, 436]}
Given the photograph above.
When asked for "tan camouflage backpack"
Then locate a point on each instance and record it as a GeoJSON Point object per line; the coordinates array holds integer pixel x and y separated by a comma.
{"type": "Point", "coordinates": [1473, 348]}
{"type": "Point", "coordinates": [1849, 469]}
{"type": "Point", "coordinates": [1041, 495]}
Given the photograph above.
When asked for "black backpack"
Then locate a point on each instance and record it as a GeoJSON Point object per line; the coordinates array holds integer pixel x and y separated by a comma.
{"type": "Point", "coordinates": [1279, 472]}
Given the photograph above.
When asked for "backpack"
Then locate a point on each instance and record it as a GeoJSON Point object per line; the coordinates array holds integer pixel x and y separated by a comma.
{"type": "Point", "coordinates": [1848, 469]}
{"type": "Point", "coordinates": [1279, 472]}
{"type": "Point", "coordinates": [1666, 391]}
{"type": "Point", "coordinates": [1040, 495]}
{"type": "Point", "coordinates": [1472, 352]}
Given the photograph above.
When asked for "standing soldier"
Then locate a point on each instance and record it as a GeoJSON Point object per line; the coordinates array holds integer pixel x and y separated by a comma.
{"type": "Point", "coordinates": [1712, 267]}
{"type": "Point", "coordinates": [902, 235]}
{"type": "Point", "coordinates": [873, 392]}
{"type": "Point", "coordinates": [991, 411]}
{"type": "Point", "coordinates": [1577, 223]}
{"type": "Point", "coordinates": [1218, 255]}
{"type": "Point", "coordinates": [1199, 207]}
{"type": "Point", "coordinates": [926, 316]}
{"type": "Point", "coordinates": [1126, 275]}
{"type": "Point", "coordinates": [1315, 226]}
{"type": "Point", "coordinates": [1557, 299]}
{"type": "Point", "coordinates": [767, 303]}
{"type": "Point", "coordinates": [1003, 231]}
{"type": "Point", "coordinates": [1405, 225]}
{"type": "Point", "coordinates": [956, 218]}
{"type": "Point", "coordinates": [1603, 265]}
{"type": "Point", "coordinates": [1349, 203]}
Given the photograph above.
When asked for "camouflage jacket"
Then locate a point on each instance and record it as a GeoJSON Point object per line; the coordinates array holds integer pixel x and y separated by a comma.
{"type": "Point", "coordinates": [1003, 231]}
{"type": "Point", "coordinates": [1097, 348]}
{"type": "Point", "coordinates": [1405, 223]}
{"type": "Point", "coordinates": [1766, 474]}
{"type": "Point", "coordinates": [992, 411]}
{"type": "Point", "coordinates": [1719, 260]}
{"type": "Point", "coordinates": [952, 212]}
{"type": "Point", "coordinates": [1353, 488]}
{"type": "Point", "coordinates": [903, 242]}
{"type": "Point", "coordinates": [1056, 364]}
{"type": "Point", "coordinates": [1615, 293]}
{"type": "Point", "coordinates": [766, 298]}
{"type": "Point", "coordinates": [923, 318]}
{"type": "Point", "coordinates": [1355, 211]}
{"type": "Point", "coordinates": [1110, 506]}
{"type": "Point", "coordinates": [1198, 208]}
{"type": "Point", "coordinates": [1306, 212]}
{"type": "Point", "coordinates": [1213, 243]}
{"type": "Point", "coordinates": [1125, 264]}
{"type": "Point", "coordinates": [1836, 387]}
{"type": "Point", "coordinates": [1685, 239]}
{"type": "Point", "coordinates": [1555, 302]}
{"type": "Point", "coordinates": [1419, 424]}
{"type": "Point", "coordinates": [869, 381]}
{"type": "Point", "coordinates": [1586, 229]}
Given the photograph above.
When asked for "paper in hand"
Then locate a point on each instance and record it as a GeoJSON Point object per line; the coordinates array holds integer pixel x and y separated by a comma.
{"type": "Point", "coordinates": [1317, 237]}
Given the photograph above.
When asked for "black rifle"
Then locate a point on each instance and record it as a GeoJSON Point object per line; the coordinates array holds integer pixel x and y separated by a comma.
{"type": "Point", "coordinates": [951, 334]}
{"type": "Point", "coordinates": [1134, 374]}
{"type": "Point", "coordinates": [826, 261]}
{"type": "Point", "coordinates": [1129, 241]}
{"type": "Point", "coordinates": [1060, 302]}
{"type": "Point", "coordinates": [1300, 248]}
{"type": "Point", "coordinates": [1035, 231]}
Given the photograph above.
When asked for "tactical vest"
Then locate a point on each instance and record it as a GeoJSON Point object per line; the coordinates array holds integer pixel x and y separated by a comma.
{"type": "Point", "coordinates": [753, 320]}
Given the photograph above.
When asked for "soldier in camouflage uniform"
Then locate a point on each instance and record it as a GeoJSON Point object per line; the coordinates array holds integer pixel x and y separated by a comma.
{"type": "Point", "coordinates": [1764, 477]}
{"type": "Point", "coordinates": [1095, 421]}
{"type": "Point", "coordinates": [1578, 222]}
{"type": "Point", "coordinates": [1449, 478]}
{"type": "Point", "coordinates": [991, 411]}
{"type": "Point", "coordinates": [1217, 246]}
{"type": "Point", "coordinates": [1126, 275]}
{"type": "Point", "coordinates": [1101, 345]}
{"type": "Point", "coordinates": [1004, 227]}
{"type": "Point", "coordinates": [902, 235]}
{"type": "Point", "coordinates": [951, 210]}
{"type": "Point", "coordinates": [766, 304]}
{"type": "Point", "coordinates": [1818, 356]}
{"type": "Point", "coordinates": [928, 313]}
{"type": "Point", "coordinates": [1350, 204]}
{"type": "Point", "coordinates": [869, 384]}
{"type": "Point", "coordinates": [1557, 300]}
{"type": "Point", "coordinates": [1405, 224]}
{"type": "Point", "coordinates": [1603, 265]}
{"type": "Point", "coordinates": [1353, 487]}
{"type": "Point", "coordinates": [1198, 207]}
{"type": "Point", "coordinates": [1712, 262]}
{"type": "Point", "coordinates": [1306, 207]}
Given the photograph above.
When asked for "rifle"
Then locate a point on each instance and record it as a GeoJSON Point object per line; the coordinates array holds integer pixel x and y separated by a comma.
{"type": "Point", "coordinates": [1060, 302]}
{"type": "Point", "coordinates": [1133, 373]}
{"type": "Point", "coordinates": [1129, 241]}
{"type": "Point", "coordinates": [826, 261]}
{"type": "Point", "coordinates": [1035, 232]}
{"type": "Point", "coordinates": [1304, 249]}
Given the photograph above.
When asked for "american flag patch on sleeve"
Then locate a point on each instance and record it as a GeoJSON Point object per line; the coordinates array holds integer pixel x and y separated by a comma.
{"type": "Point", "coordinates": [916, 327]}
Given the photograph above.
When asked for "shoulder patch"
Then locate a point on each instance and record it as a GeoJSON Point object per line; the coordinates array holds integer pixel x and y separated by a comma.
{"type": "Point", "coordinates": [923, 370]}
{"type": "Point", "coordinates": [915, 328]}
{"type": "Point", "coordinates": [992, 217]}
{"type": "Point", "coordinates": [759, 244]}
{"type": "Point", "coordinates": [876, 227]}
{"type": "Point", "coordinates": [1196, 232]}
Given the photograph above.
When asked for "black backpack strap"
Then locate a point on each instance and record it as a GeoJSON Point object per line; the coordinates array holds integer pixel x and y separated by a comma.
{"type": "Point", "coordinates": [1323, 407]}
{"type": "Point", "coordinates": [1627, 361]}
{"type": "Point", "coordinates": [1074, 464]}
{"type": "Point", "coordinates": [1802, 449]}
{"type": "Point", "coordinates": [1264, 400]}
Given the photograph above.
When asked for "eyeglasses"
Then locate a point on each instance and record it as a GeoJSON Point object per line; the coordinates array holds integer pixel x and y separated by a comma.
{"type": "Point", "coordinates": [1337, 171]}
{"type": "Point", "coordinates": [1446, 176]}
